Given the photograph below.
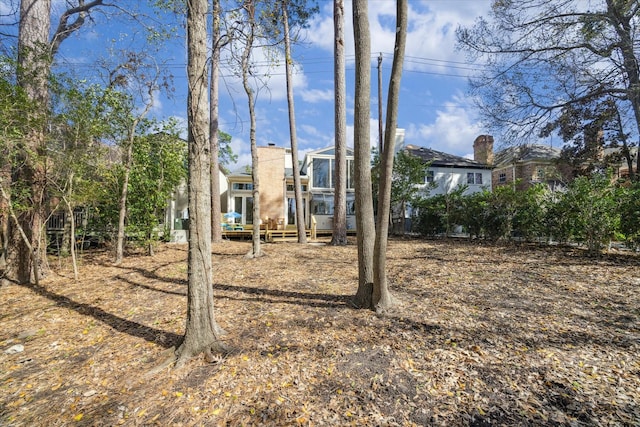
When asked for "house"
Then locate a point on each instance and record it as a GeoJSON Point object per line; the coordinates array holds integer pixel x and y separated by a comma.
{"type": "Point", "coordinates": [277, 194]}
{"type": "Point", "coordinates": [447, 172]}
{"type": "Point", "coordinates": [177, 213]}
{"type": "Point", "coordinates": [525, 165]}
{"type": "Point", "coordinates": [277, 198]}
{"type": "Point", "coordinates": [319, 168]}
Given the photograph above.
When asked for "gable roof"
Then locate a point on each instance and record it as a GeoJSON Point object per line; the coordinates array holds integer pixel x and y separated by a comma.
{"type": "Point", "coordinates": [526, 153]}
{"type": "Point", "coordinates": [438, 158]}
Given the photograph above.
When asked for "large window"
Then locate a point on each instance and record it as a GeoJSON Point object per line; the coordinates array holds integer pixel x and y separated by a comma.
{"type": "Point", "coordinates": [502, 177]}
{"type": "Point", "coordinates": [322, 204]}
{"type": "Point", "coordinates": [244, 206]}
{"type": "Point", "coordinates": [291, 210]}
{"type": "Point", "coordinates": [322, 173]}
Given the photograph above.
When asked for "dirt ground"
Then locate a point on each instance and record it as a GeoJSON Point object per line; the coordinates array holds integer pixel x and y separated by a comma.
{"type": "Point", "coordinates": [481, 335]}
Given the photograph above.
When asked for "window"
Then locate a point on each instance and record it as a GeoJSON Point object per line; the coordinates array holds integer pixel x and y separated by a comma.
{"type": "Point", "coordinates": [322, 205]}
{"type": "Point", "coordinates": [242, 186]}
{"type": "Point", "coordinates": [429, 177]}
{"type": "Point", "coordinates": [540, 174]}
{"type": "Point", "coordinates": [244, 206]}
{"type": "Point", "coordinates": [290, 187]}
{"type": "Point", "coordinates": [321, 173]}
{"type": "Point", "coordinates": [324, 173]}
{"type": "Point", "coordinates": [474, 178]}
{"type": "Point", "coordinates": [502, 177]}
{"type": "Point", "coordinates": [291, 210]}
{"type": "Point", "coordinates": [351, 207]}
{"type": "Point", "coordinates": [350, 175]}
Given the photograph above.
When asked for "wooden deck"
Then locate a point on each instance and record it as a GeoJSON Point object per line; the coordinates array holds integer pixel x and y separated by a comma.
{"type": "Point", "coordinates": [286, 235]}
{"type": "Point", "coordinates": [289, 234]}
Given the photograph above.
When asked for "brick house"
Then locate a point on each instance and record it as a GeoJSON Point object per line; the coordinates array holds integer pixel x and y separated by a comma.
{"type": "Point", "coordinates": [527, 164]}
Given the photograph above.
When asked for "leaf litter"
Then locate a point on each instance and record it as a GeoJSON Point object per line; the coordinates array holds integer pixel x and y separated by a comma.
{"type": "Point", "coordinates": [480, 335]}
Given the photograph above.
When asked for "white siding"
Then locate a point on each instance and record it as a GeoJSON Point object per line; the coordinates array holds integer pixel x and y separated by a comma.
{"type": "Point", "coordinates": [449, 178]}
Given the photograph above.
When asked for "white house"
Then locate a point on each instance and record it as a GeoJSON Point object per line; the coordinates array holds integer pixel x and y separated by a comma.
{"type": "Point", "coordinates": [319, 168]}
{"type": "Point", "coordinates": [447, 172]}
{"type": "Point", "coordinates": [177, 212]}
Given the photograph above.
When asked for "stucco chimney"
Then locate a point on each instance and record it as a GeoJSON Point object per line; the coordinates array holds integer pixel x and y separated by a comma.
{"type": "Point", "coordinates": [483, 149]}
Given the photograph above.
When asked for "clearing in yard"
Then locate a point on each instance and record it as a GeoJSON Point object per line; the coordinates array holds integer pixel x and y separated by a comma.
{"type": "Point", "coordinates": [480, 335]}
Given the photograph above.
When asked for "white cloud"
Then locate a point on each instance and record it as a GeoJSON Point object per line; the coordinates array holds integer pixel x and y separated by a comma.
{"type": "Point", "coordinates": [316, 95]}
{"type": "Point", "coordinates": [453, 131]}
{"type": "Point", "coordinates": [430, 35]}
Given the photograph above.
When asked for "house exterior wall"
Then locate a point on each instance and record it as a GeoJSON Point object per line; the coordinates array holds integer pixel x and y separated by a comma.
{"type": "Point", "coordinates": [177, 212]}
{"type": "Point", "coordinates": [271, 172]}
{"type": "Point", "coordinates": [321, 188]}
{"type": "Point", "coordinates": [450, 178]}
{"type": "Point", "coordinates": [525, 174]}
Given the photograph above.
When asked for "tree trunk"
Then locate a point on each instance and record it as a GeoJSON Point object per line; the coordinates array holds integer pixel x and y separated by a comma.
{"type": "Point", "coordinates": [362, 154]}
{"type": "Point", "coordinates": [72, 247]}
{"type": "Point", "coordinates": [381, 297]}
{"type": "Point", "coordinates": [25, 236]}
{"type": "Point", "coordinates": [297, 185]}
{"type": "Point", "coordinates": [216, 209]}
{"type": "Point", "coordinates": [122, 214]}
{"type": "Point", "coordinates": [202, 333]}
{"type": "Point", "coordinates": [339, 237]}
{"type": "Point", "coordinates": [256, 250]}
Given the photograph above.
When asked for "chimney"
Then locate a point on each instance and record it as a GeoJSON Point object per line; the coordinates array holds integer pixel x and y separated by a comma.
{"type": "Point", "coordinates": [483, 149]}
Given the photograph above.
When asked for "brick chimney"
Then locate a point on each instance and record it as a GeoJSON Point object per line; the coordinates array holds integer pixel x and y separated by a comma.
{"type": "Point", "coordinates": [483, 149]}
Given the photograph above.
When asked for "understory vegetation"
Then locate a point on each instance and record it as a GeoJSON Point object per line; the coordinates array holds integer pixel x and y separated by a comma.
{"type": "Point", "coordinates": [589, 210]}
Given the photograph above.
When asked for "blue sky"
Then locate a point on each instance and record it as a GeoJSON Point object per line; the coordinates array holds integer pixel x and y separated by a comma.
{"type": "Point", "coordinates": [435, 110]}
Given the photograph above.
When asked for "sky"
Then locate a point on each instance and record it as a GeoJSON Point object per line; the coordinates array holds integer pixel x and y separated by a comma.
{"type": "Point", "coordinates": [434, 109]}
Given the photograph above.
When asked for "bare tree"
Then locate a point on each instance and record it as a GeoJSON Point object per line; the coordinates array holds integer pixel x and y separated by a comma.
{"type": "Point", "coordinates": [339, 236]}
{"type": "Point", "coordinates": [381, 296]}
{"type": "Point", "coordinates": [202, 333]}
{"type": "Point", "coordinates": [362, 155]}
{"type": "Point", "coordinates": [545, 55]}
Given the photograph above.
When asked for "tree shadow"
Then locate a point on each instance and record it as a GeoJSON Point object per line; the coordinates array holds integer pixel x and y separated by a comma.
{"type": "Point", "coordinates": [149, 288]}
{"type": "Point", "coordinates": [274, 296]}
{"type": "Point", "coordinates": [156, 336]}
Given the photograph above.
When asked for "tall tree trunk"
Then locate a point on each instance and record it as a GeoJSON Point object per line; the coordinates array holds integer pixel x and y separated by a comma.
{"type": "Point", "coordinates": [202, 333]}
{"type": "Point", "coordinates": [256, 250]}
{"type": "Point", "coordinates": [216, 209]}
{"type": "Point", "coordinates": [25, 236]}
{"type": "Point", "coordinates": [340, 187]}
{"type": "Point", "coordinates": [381, 296]}
{"type": "Point", "coordinates": [362, 155]}
{"type": "Point", "coordinates": [297, 185]}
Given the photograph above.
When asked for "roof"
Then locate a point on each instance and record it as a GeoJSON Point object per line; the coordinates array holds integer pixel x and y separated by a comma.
{"type": "Point", "coordinates": [438, 158]}
{"type": "Point", "coordinates": [526, 153]}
